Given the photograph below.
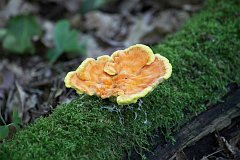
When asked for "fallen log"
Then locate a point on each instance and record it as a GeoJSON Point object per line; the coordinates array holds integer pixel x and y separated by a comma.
{"type": "Point", "coordinates": [205, 57]}
{"type": "Point", "coordinates": [214, 119]}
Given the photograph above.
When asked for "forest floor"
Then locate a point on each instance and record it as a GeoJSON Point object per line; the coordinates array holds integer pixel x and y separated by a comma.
{"type": "Point", "coordinates": [33, 85]}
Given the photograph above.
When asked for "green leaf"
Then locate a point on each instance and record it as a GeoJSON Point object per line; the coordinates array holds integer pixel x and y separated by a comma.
{"type": "Point", "coordinates": [3, 33]}
{"type": "Point", "coordinates": [4, 130]}
{"type": "Point", "coordinates": [65, 40]}
{"type": "Point", "coordinates": [9, 42]}
{"type": "Point", "coordinates": [88, 5]}
{"type": "Point", "coordinates": [16, 118]}
{"type": "Point", "coordinates": [81, 51]}
{"type": "Point", "coordinates": [20, 31]}
{"type": "Point", "coordinates": [53, 55]}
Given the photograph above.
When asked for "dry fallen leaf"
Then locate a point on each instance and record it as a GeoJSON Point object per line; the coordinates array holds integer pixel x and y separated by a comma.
{"type": "Point", "coordinates": [231, 150]}
{"type": "Point", "coordinates": [139, 29]}
{"type": "Point", "coordinates": [180, 155]}
{"type": "Point", "coordinates": [47, 37]}
{"type": "Point", "coordinates": [170, 20]}
{"type": "Point", "coordinates": [106, 25]}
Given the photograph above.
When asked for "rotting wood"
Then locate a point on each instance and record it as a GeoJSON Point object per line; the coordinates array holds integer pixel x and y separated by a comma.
{"type": "Point", "coordinates": [214, 119]}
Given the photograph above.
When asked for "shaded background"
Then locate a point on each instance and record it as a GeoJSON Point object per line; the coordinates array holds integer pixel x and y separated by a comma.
{"type": "Point", "coordinates": [43, 40]}
{"type": "Point", "coordinates": [40, 41]}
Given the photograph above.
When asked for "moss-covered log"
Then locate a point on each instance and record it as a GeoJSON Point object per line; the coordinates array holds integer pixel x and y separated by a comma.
{"type": "Point", "coordinates": [205, 56]}
{"type": "Point", "coordinates": [214, 120]}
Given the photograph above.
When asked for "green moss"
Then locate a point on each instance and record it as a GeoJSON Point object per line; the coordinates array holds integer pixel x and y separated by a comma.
{"type": "Point", "coordinates": [205, 56]}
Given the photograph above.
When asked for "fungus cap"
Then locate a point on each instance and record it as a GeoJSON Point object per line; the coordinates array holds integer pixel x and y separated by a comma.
{"type": "Point", "coordinates": [126, 75]}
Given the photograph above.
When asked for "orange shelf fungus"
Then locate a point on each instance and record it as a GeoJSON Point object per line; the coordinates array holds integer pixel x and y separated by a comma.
{"type": "Point", "coordinates": [126, 75]}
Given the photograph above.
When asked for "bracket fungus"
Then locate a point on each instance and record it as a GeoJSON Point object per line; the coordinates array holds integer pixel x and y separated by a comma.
{"type": "Point", "coordinates": [125, 76]}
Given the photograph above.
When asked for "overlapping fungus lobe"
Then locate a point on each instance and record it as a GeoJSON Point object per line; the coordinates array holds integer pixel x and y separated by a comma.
{"type": "Point", "coordinates": [127, 75]}
{"type": "Point", "coordinates": [145, 77]}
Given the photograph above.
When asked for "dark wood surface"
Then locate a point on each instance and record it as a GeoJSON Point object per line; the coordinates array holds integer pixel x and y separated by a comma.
{"type": "Point", "coordinates": [214, 119]}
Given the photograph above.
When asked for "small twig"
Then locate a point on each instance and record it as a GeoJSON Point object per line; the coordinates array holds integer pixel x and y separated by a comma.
{"type": "Point", "coordinates": [204, 158]}
{"type": "Point", "coordinates": [110, 41]}
{"type": "Point", "coordinates": [68, 63]}
{"type": "Point", "coordinates": [41, 83]}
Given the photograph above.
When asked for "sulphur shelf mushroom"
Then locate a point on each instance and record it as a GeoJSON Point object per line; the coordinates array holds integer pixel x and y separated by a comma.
{"type": "Point", "coordinates": [125, 76]}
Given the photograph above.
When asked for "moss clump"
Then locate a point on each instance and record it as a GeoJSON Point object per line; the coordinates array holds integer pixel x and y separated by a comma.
{"type": "Point", "coordinates": [205, 56]}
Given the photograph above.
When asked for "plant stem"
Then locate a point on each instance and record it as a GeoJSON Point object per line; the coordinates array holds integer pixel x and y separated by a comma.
{"type": "Point", "coordinates": [2, 119]}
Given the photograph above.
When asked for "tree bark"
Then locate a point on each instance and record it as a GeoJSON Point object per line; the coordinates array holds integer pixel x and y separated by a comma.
{"type": "Point", "coordinates": [214, 119]}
